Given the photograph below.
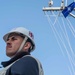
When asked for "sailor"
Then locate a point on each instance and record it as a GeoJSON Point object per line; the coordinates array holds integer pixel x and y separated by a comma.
{"type": "Point", "coordinates": [19, 45]}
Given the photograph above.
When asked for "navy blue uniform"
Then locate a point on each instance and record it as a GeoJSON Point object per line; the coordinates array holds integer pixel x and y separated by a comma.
{"type": "Point", "coordinates": [24, 66]}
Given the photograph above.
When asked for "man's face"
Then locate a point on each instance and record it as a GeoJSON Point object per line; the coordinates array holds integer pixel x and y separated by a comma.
{"type": "Point", "coordinates": [12, 44]}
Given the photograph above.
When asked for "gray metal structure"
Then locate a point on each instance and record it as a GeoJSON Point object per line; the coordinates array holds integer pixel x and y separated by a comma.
{"type": "Point", "coordinates": [51, 8]}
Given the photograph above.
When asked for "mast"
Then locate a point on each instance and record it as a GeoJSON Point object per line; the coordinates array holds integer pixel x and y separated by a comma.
{"type": "Point", "coordinates": [50, 8]}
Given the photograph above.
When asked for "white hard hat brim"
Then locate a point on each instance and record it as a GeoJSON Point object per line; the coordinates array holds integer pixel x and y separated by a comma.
{"type": "Point", "coordinates": [6, 36]}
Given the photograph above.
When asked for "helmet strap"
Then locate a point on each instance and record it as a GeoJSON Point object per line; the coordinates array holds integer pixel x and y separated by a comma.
{"type": "Point", "coordinates": [24, 41]}
{"type": "Point", "coordinates": [22, 44]}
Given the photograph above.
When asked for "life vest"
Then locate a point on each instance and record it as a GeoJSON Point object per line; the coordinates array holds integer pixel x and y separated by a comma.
{"type": "Point", "coordinates": [3, 71]}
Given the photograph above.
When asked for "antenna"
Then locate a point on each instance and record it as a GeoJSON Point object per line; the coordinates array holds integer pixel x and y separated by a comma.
{"type": "Point", "coordinates": [50, 3]}
{"type": "Point", "coordinates": [62, 4]}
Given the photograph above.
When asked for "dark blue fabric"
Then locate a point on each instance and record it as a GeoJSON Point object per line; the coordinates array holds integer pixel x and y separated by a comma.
{"type": "Point", "coordinates": [68, 9]}
{"type": "Point", "coordinates": [24, 66]}
{"type": "Point", "coordinates": [21, 54]}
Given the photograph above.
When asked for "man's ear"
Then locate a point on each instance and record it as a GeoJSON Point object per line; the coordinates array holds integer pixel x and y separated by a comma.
{"type": "Point", "coordinates": [27, 46]}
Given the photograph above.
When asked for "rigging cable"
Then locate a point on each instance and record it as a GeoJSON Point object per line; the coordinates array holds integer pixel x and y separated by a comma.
{"type": "Point", "coordinates": [60, 38]}
{"type": "Point", "coordinates": [54, 32]}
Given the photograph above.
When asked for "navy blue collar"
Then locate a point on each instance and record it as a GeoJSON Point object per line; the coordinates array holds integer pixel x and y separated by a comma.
{"type": "Point", "coordinates": [20, 55]}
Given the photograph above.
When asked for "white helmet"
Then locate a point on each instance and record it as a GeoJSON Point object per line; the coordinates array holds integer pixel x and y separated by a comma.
{"type": "Point", "coordinates": [23, 31]}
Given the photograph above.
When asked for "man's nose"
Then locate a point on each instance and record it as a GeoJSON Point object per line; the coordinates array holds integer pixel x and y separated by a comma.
{"type": "Point", "coordinates": [8, 40]}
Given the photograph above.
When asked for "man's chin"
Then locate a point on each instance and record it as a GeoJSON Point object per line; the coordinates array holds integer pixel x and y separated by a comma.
{"type": "Point", "coordinates": [10, 54]}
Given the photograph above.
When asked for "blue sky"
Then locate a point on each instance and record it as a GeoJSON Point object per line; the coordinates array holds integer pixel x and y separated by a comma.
{"type": "Point", "coordinates": [29, 14]}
